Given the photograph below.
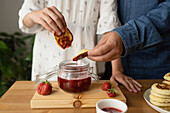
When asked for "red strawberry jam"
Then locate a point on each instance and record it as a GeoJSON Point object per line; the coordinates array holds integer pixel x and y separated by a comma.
{"type": "Point", "coordinates": [112, 110]}
{"type": "Point", "coordinates": [74, 85]}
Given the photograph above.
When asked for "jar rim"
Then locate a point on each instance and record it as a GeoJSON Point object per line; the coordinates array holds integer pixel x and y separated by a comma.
{"type": "Point", "coordinates": [73, 64]}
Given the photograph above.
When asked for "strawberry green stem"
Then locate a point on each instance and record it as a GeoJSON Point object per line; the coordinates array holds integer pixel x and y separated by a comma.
{"type": "Point", "coordinates": [111, 90]}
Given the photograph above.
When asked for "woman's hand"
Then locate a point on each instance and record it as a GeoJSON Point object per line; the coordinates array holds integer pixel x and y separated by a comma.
{"type": "Point", "coordinates": [50, 18]}
{"type": "Point", "coordinates": [130, 84]}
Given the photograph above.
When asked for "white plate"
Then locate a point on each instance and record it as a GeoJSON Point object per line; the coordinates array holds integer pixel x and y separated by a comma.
{"type": "Point", "coordinates": [146, 97]}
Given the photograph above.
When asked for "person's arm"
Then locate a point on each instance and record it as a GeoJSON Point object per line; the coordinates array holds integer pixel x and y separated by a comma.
{"type": "Point", "coordinates": [27, 7]}
{"type": "Point", "coordinates": [34, 15]}
{"type": "Point", "coordinates": [143, 32]}
{"type": "Point", "coordinates": [147, 30]}
{"type": "Point", "coordinates": [118, 77]}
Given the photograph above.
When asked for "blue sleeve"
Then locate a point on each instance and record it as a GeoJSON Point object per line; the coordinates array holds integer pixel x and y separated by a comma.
{"type": "Point", "coordinates": [147, 30]}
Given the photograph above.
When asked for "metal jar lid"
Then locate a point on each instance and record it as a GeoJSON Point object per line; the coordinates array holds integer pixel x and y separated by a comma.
{"type": "Point", "coordinates": [65, 64]}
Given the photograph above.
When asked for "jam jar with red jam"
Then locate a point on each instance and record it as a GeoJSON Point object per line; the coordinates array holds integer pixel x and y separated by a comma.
{"type": "Point", "coordinates": [74, 76]}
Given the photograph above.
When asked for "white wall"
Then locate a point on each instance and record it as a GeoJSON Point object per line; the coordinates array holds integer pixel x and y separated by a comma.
{"type": "Point", "coordinates": [9, 15]}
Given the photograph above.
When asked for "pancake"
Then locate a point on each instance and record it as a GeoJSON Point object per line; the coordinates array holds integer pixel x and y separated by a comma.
{"type": "Point", "coordinates": [64, 40]}
{"type": "Point", "coordinates": [160, 100]}
{"type": "Point", "coordinates": [165, 108]}
{"type": "Point", "coordinates": [81, 54]}
{"type": "Point", "coordinates": [161, 88]}
{"type": "Point", "coordinates": [159, 103]}
{"type": "Point", "coordinates": [166, 82]}
{"type": "Point", "coordinates": [167, 76]}
{"type": "Point", "coordinates": [160, 95]}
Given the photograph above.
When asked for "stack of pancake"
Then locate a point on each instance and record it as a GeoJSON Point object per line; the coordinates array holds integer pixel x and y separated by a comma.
{"type": "Point", "coordinates": [160, 93]}
{"type": "Point", "coordinates": [167, 79]}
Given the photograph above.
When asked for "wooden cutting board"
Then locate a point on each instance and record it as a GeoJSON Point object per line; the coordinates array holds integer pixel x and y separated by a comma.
{"type": "Point", "coordinates": [61, 99]}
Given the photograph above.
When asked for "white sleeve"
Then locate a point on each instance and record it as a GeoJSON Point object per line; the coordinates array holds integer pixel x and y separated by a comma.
{"type": "Point", "coordinates": [27, 7]}
{"type": "Point", "coordinates": [108, 19]}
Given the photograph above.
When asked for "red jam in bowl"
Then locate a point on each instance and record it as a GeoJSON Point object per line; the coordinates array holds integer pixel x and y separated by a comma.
{"type": "Point", "coordinates": [111, 110]}
{"type": "Point", "coordinates": [74, 85]}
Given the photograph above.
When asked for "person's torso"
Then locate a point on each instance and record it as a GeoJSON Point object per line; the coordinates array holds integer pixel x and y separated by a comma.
{"type": "Point", "coordinates": [77, 11]}
{"type": "Point", "coordinates": [149, 63]}
{"type": "Point", "coordinates": [81, 17]}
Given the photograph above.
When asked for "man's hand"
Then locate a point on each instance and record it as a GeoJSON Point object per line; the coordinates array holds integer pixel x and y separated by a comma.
{"type": "Point", "coordinates": [109, 48]}
{"type": "Point", "coordinates": [130, 84]}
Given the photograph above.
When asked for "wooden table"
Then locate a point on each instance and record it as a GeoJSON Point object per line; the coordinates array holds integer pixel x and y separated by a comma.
{"type": "Point", "coordinates": [17, 100]}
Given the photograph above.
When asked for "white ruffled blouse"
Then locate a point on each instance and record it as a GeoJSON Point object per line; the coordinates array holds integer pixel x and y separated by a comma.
{"type": "Point", "coordinates": [84, 18]}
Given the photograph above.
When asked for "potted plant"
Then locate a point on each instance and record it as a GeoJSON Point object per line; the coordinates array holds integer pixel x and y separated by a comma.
{"type": "Point", "coordinates": [15, 58]}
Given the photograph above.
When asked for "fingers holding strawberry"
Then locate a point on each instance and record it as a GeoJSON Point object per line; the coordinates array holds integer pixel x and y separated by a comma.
{"type": "Point", "coordinates": [44, 88]}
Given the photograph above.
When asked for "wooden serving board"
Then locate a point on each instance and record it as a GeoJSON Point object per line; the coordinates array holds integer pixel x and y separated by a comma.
{"type": "Point", "coordinates": [61, 99]}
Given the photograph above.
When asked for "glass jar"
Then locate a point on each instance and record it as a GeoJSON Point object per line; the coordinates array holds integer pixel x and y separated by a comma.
{"type": "Point", "coordinates": [72, 76]}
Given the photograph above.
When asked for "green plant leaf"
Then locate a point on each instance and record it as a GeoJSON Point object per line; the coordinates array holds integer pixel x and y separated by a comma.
{"type": "Point", "coordinates": [19, 51]}
{"type": "Point", "coordinates": [7, 71]}
{"type": "Point", "coordinates": [4, 50]}
{"type": "Point", "coordinates": [17, 34]}
{"type": "Point", "coordinates": [32, 41]}
{"type": "Point", "coordinates": [20, 42]}
{"type": "Point", "coordinates": [3, 89]}
{"type": "Point", "coordinates": [3, 45]}
{"type": "Point", "coordinates": [28, 37]}
{"type": "Point", "coordinates": [28, 57]}
{"type": "Point", "coordinates": [3, 83]}
{"type": "Point", "coordinates": [4, 34]}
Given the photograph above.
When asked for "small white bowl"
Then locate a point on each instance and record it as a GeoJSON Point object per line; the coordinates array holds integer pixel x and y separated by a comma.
{"type": "Point", "coordinates": [110, 103]}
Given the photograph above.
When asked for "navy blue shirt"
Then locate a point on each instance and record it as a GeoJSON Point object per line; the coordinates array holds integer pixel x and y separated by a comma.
{"type": "Point", "coordinates": [145, 33]}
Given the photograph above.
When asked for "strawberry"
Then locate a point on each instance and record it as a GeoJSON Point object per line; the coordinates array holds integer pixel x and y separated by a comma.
{"type": "Point", "coordinates": [106, 85]}
{"type": "Point", "coordinates": [44, 88]}
{"type": "Point", "coordinates": [111, 92]}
